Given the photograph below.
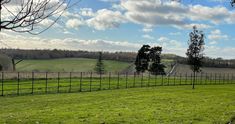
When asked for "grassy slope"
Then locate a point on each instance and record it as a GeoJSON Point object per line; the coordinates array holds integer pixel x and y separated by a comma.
{"type": "Point", "coordinates": [206, 104]}
{"type": "Point", "coordinates": [69, 64]}
{"type": "Point", "coordinates": [180, 68]}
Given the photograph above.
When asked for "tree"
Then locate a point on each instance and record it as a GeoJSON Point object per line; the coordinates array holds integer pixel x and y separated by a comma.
{"type": "Point", "coordinates": [232, 3]}
{"type": "Point", "coordinates": [195, 51]}
{"type": "Point", "coordinates": [100, 65]}
{"type": "Point", "coordinates": [156, 67]}
{"type": "Point", "coordinates": [149, 59]}
{"type": "Point", "coordinates": [25, 15]}
{"type": "Point", "coordinates": [142, 59]}
{"type": "Point", "coordinates": [1, 68]}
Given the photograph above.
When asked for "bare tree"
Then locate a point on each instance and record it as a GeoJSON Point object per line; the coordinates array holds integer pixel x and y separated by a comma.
{"type": "Point", "coordinates": [26, 15]}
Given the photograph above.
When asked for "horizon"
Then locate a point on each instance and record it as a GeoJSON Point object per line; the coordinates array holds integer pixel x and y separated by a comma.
{"type": "Point", "coordinates": [123, 25]}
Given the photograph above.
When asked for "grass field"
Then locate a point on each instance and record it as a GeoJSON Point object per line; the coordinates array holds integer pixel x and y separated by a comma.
{"type": "Point", "coordinates": [69, 65]}
{"type": "Point", "coordinates": [170, 105]}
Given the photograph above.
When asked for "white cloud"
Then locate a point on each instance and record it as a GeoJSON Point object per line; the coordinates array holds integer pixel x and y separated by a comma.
{"type": "Point", "coordinates": [87, 12]}
{"type": "Point", "coordinates": [106, 19]}
{"type": "Point", "coordinates": [146, 36]}
{"type": "Point", "coordinates": [213, 42]}
{"type": "Point", "coordinates": [175, 33]}
{"type": "Point", "coordinates": [217, 35]}
{"type": "Point", "coordinates": [74, 23]}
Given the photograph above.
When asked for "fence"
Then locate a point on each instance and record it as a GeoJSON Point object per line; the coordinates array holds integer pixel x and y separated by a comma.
{"type": "Point", "coordinates": [20, 83]}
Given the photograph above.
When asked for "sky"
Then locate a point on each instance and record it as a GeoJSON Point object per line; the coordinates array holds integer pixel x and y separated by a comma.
{"type": "Point", "coordinates": [126, 25]}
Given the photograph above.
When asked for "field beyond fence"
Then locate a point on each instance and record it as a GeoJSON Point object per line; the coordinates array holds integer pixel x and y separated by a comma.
{"type": "Point", "coordinates": [22, 83]}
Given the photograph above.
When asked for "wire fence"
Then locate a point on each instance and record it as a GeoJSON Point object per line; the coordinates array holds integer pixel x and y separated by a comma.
{"type": "Point", "coordinates": [22, 83]}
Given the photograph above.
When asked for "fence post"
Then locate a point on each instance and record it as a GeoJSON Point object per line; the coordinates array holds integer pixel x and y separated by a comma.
{"type": "Point", "coordinates": [215, 78]}
{"type": "Point", "coordinates": [168, 80]}
{"type": "Point", "coordinates": [126, 79]}
{"type": "Point", "coordinates": [148, 79]}
{"type": "Point", "coordinates": [100, 81]}
{"type": "Point", "coordinates": [46, 83]}
{"type": "Point", "coordinates": [58, 82]}
{"type": "Point", "coordinates": [186, 79]}
{"type": "Point", "coordinates": [70, 82]}
{"type": "Point", "coordinates": [155, 80]}
{"type": "Point", "coordinates": [80, 82]}
{"type": "Point", "coordinates": [162, 79]}
{"type": "Point", "coordinates": [109, 80]}
{"type": "Point", "coordinates": [90, 81]}
{"type": "Point", "coordinates": [142, 78]}
{"type": "Point", "coordinates": [32, 82]}
{"type": "Point", "coordinates": [191, 79]}
{"type": "Point", "coordinates": [118, 81]}
{"type": "Point", "coordinates": [232, 79]}
{"type": "Point", "coordinates": [174, 79]}
{"type": "Point", "coordinates": [180, 78]}
{"type": "Point", "coordinates": [18, 83]}
{"type": "Point", "coordinates": [2, 83]}
{"type": "Point", "coordinates": [224, 79]}
{"type": "Point", "coordinates": [134, 79]}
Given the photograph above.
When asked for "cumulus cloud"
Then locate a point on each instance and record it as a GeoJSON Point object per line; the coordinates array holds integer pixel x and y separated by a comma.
{"type": "Point", "coordinates": [74, 23]}
{"type": "Point", "coordinates": [217, 35]}
{"type": "Point", "coordinates": [104, 19]}
{"type": "Point", "coordinates": [146, 36]}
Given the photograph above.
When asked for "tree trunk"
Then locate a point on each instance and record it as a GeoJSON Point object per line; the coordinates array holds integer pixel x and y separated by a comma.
{"type": "Point", "coordinates": [13, 64]}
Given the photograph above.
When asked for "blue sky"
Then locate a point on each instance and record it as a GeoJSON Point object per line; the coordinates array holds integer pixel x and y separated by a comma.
{"type": "Point", "coordinates": [125, 25]}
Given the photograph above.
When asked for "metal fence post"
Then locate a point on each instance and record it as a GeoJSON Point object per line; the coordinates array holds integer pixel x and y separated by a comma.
{"type": "Point", "coordinates": [148, 79]}
{"type": "Point", "coordinates": [100, 81]}
{"type": "Point", "coordinates": [174, 79]}
{"type": "Point", "coordinates": [32, 82]}
{"type": "Point", "coordinates": [126, 79]}
{"type": "Point", "coordinates": [180, 78]}
{"type": "Point", "coordinates": [18, 83]}
{"type": "Point", "coordinates": [2, 83]}
{"type": "Point", "coordinates": [134, 79]}
{"type": "Point", "coordinates": [46, 83]}
{"type": "Point", "coordinates": [186, 79]}
{"type": "Point", "coordinates": [70, 82]}
{"type": "Point", "coordinates": [90, 81]}
{"type": "Point", "coordinates": [80, 82]}
{"type": "Point", "coordinates": [142, 78]}
{"type": "Point", "coordinates": [58, 83]}
{"type": "Point", "coordinates": [109, 80]}
{"type": "Point", "coordinates": [155, 80]}
{"type": "Point", "coordinates": [168, 80]}
{"type": "Point", "coordinates": [118, 81]}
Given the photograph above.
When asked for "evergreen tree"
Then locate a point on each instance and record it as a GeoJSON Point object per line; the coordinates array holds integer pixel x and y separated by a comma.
{"type": "Point", "coordinates": [195, 51]}
{"type": "Point", "coordinates": [100, 65]}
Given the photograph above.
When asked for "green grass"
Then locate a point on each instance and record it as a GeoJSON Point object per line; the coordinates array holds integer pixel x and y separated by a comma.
{"type": "Point", "coordinates": [68, 65]}
{"type": "Point", "coordinates": [170, 105]}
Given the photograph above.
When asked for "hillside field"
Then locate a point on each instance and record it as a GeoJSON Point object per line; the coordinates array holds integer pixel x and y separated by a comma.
{"type": "Point", "coordinates": [170, 105]}
{"type": "Point", "coordinates": [69, 65]}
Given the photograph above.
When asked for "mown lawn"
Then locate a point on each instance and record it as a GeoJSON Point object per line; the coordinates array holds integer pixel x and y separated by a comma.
{"type": "Point", "coordinates": [170, 104]}
{"type": "Point", "coordinates": [69, 65]}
